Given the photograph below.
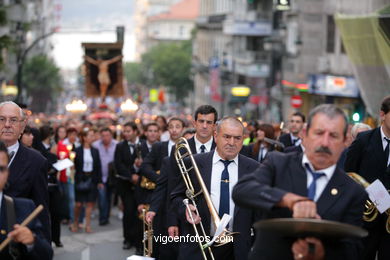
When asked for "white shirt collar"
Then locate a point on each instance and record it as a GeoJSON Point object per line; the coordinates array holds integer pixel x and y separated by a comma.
{"type": "Point", "coordinates": [208, 144]}
{"type": "Point", "coordinates": [170, 144]}
{"type": "Point", "coordinates": [217, 158]}
{"type": "Point", "coordinates": [384, 142]}
{"type": "Point", "coordinates": [13, 148]}
{"type": "Point", "coordinates": [328, 171]}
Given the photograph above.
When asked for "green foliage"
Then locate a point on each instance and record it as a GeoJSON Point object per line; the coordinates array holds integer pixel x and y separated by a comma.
{"type": "Point", "coordinates": [42, 80]}
{"type": "Point", "coordinates": [5, 41]}
{"type": "Point", "coordinates": [3, 17]}
{"type": "Point", "coordinates": [167, 64]}
{"type": "Point", "coordinates": [133, 73]}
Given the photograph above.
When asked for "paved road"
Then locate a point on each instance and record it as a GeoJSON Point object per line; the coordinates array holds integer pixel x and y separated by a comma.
{"type": "Point", "coordinates": [105, 243]}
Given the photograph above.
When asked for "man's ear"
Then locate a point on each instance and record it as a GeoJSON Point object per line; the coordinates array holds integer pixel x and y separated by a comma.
{"type": "Point", "coordinates": [382, 115]}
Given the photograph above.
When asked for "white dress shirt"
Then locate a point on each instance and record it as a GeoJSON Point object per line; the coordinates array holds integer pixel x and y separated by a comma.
{"type": "Point", "coordinates": [321, 181]}
{"type": "Point", "coordinates": [215, 184]}
{"type": "Point", "coordinates": [170, 144]}
{"type": "Point", "coordinates": [207, 145]}
{"type": "Point", "coordinates": [293, 138]}
{"type": "Point", "coordinates": [13, 148]}
{"type": "Point", "coordinates": [87, 160]}
{"type": "Point", "coordinates": [384, 144]}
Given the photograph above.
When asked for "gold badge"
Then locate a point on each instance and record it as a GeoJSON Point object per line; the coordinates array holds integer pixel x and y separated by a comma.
{"type": "Point", "coordinates": [3, 232]}
{"type": "Point", "coordinates": [334, 191]}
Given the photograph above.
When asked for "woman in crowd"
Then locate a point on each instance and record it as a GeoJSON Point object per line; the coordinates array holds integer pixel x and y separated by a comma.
{"type": "Point", "coordinates": [265, 142]}
{"type": "Point", "coordinates": [162, 123]}
{"type": "Point", "coordinates": [27, 137]}
{"type": "Point", "coordinates": [87, 179]}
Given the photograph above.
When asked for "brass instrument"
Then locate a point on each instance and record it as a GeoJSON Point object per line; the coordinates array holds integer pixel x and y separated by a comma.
{"type": "Point", "coordinates": [148, 235]}
{"type": "Point", "coordinates": [183, 151]}
{"type": "Point", "coordinates": [145, 182]}
{"type": "Point", "coordinates": [371, 212]}
{"type": "Point", "coordinates": [148, 184]}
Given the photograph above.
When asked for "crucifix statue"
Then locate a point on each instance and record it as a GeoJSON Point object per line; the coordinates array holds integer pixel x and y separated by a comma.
{"type": "Point", "coordinates": [103, 75]}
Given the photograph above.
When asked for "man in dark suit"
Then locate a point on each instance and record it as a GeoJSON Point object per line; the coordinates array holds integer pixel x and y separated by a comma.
{"type": "Point", "coordinates": [368, 156]}
{"type": "Point", "coordinates": [28, 242]}
{"type": "Point", "coordinates": [295, 126]}
{"type": "Point", "coordinates": [220, 170]}
{"type": "Point", "coordinates": [205, 117]}
{"type": "Point", "coordinates": [28, 168]}
{"type": "Point", "coordinates": [150, 169]}
{"type": "Point", "coordinates": [307, 185]}
{"type": "Point", "coordinates": [126, 162]}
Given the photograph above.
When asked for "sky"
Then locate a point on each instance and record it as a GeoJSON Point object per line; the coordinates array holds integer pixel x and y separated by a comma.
{"type": "Point", "coordinates": [91, 21]}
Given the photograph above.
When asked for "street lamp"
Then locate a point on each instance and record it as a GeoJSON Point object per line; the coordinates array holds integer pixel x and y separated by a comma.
{"type": "Point", "coordinates": [77, 106]}
{"type": "Point", "coordinates": [129, 106]}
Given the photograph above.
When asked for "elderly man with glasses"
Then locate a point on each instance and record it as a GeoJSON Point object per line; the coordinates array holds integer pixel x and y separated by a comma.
{"type": "Point", "coordinates": [27, 167]}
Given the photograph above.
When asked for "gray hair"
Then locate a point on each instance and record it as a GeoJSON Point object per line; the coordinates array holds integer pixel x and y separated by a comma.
{"type": "Point", "coordinates": [22, 115]}
{"type": "Point", "coordinates": [230, 119]}
{"type": "Point", "coordinates": [330, 111]}
{"type": "Point", "coordinates": [356, 127]}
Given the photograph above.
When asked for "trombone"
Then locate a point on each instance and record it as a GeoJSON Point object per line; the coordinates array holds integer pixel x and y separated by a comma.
{"type": "Point", "coordinates": [148, 235]}
{"type": "Point", "coordinates": [371, 212]}
{"type": "Point", "coordinates": [183, 151]}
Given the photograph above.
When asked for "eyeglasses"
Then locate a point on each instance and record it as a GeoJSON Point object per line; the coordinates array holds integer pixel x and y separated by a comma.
{"type": "Point", "coordinates": [3, 168]}
{"type": "Point", "coordinates": [12, 121]}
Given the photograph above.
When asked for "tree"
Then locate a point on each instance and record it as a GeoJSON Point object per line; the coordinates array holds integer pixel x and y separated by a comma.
{"type": "Point", "coordinates": [42, 80]}
{"type": "Point", "coordinates": [169, 64]}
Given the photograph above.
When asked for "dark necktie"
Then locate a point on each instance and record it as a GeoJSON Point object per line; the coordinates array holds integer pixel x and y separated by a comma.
{"type": "Point", "coordinates": [387, 152]}
{"type": "Point", "coordinates": [295, 141]}
{"type": "Point", "coordinates": [132, 147]}
{"type": "Point", "coordinates": [202, 148]}
{"type": "Point", "coordinates": [11, 155]}
{"type": "Point", "coordinates": [224, 197]}
{"type": "Point", "coordinates": [261, 156]}
{"type": "Point", "coordinates": [311, 191]}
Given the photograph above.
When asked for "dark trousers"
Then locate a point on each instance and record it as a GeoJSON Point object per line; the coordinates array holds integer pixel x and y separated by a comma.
{"type": "Point", "coordinates": [55, 213]}
{"type": "Point", "coordinates": [104, 202]}
{"type": "Point", "coordinates": [129, 220]}
{"type": "Point", "coordinates": [378, 240]}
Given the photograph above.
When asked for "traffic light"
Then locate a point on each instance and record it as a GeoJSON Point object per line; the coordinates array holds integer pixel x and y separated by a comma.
{"type": "Point", "coordinates": [356, 117]}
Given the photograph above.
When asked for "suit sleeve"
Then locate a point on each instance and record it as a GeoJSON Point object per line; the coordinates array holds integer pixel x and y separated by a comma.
{"type": "Point", "coordinates": [352, 161]}
{"type": "Point", "coordinates": [40, 195]}
{"type": "Point", "coordinates": [41, 249]}
{"type": "Point", "coordinates": [160, 193]}
{"type": "Point", "coordinates": [120, 163]}
{"type": "Point", "coordinates": [98, 167]}
{"type": "Point", "coordinates": [147, 168]}
{"type": "Point", "coordinates": [254, 190]}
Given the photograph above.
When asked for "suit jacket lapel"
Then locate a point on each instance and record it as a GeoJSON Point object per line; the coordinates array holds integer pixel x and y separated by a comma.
{"type": "Point", "coordinates": [213, 144]}
{"type": "Point", "coordinates": [3, 220]}
{"type": "Point", "coordinates": [331, 193]}
{"type": "Point", "coordinates": [242, 169]}
{"type": "Point", "coordinates": [191, 142]}
{"type": "Point", "coordinates": [19, 164]}
{"type": "Point", "coordinates": [298, 176]}
{"type": "Point", "coordinates": [377, 146]}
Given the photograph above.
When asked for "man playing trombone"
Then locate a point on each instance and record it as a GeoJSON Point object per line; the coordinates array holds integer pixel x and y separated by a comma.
{"type": "Point", "coordinates": [306, 185]}
{"type": "Point", "coordinates": [220, 170]}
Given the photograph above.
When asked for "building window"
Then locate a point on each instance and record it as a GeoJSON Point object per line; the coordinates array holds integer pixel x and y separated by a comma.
{"type": "Point", "coordinates": [330, 37]}
{"type": "Point", "coordinates": [181, 30]}
{"type": "Point", "coordinates": [254, 43]}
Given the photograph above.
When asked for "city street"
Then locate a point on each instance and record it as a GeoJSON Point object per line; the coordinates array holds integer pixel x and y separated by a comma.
{"type": "Point", "coordinates": [104, 243]}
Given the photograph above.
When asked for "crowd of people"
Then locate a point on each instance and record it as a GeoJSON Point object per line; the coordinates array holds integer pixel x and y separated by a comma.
{"type": "Point", "coordinates": [251, 171]}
